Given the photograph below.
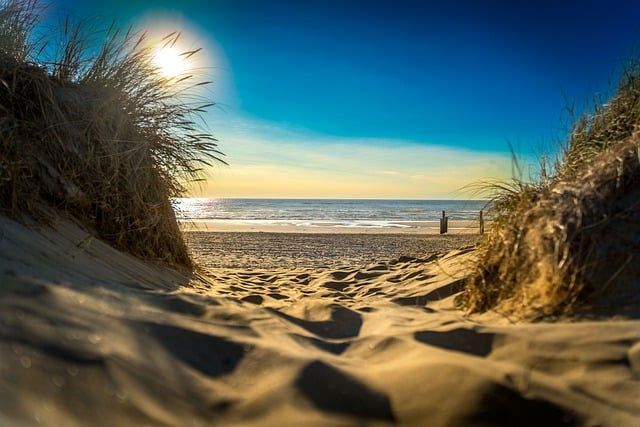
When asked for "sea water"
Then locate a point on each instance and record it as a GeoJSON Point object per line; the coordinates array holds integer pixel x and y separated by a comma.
{"type": "Point", "coordinates": [327, 212]}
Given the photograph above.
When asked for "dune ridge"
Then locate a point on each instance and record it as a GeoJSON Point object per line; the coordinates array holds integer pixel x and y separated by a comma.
{"type": "Point", "coordinates": [567, 242]}
{"type": "Point", "coordinates": [94, 132]}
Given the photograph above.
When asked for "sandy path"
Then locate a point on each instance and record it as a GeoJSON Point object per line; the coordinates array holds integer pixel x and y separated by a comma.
{"type": "Point", "coordinates": [90, 335]}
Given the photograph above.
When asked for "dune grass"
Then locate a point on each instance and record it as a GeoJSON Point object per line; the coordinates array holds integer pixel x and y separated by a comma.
{"type": "Point", "coordinates": [559, 243]}
{"type": "Point", "coordinates": [97, 133]}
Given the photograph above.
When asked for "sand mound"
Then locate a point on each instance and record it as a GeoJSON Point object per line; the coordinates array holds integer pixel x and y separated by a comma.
{"type": "Point", "coordinates": [567, 242]}
{"type": "Point", "coordinates": [89, 334]}
{"type": "Point", "coordinates": [572, 246]}
{"type": "Point", "coordinates": [97, 134]}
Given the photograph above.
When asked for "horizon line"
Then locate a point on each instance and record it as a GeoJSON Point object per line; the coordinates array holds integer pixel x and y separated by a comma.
{"type": "Point", "coordinates": [329, 198]}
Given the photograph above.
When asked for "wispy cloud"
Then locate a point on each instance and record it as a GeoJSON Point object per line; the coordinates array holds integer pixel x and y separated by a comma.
{"type": "Point", "coordinates": [390, 173]}
{"type": "Point", "coordinates": [269, 161]}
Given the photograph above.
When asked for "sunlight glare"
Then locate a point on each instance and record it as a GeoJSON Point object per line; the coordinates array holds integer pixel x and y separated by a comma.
{"type": "Point", "coordinates": [170, 61]}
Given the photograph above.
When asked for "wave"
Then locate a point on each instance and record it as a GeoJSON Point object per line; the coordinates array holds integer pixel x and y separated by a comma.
{"type": "Point", "coordinates": [345, 213]}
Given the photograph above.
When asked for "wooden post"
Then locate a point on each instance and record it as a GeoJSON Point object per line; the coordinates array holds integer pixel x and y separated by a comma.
{"type": "Point", "coordinates": [444, 223]}
{"type": "Point", "coordinates": [481, 223]}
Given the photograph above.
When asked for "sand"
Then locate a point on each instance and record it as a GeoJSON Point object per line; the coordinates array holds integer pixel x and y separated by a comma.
{"type": "Point", "coordinates": [91, 336]}
{"type": "Point", "coordinates": [327, 227]}
{"type": "Point", "coordinates": [313, 250]}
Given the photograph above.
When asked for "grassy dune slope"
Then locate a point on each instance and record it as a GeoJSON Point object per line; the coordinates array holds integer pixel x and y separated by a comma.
{"type": "Point", "coordinates": [571, 241]}
{"type": "Point", "coordinates": [96, 133]}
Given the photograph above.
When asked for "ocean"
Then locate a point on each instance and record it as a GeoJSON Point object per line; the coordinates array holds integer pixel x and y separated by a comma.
{"type": "Point", "coordinates": [326, 212]}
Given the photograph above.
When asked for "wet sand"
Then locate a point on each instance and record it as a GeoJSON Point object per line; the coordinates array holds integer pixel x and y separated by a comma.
{"type": "Point", "coordinates": [328, 227]}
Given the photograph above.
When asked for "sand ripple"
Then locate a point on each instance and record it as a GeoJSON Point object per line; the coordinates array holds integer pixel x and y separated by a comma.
{"type": "Point", "coordinates": [90, 336]}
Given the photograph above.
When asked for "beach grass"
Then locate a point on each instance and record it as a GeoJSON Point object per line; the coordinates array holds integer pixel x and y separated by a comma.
{"type": "Point", "coordinates": [96, 133]}
{"type": "Point", "coordinates": [566, 240]}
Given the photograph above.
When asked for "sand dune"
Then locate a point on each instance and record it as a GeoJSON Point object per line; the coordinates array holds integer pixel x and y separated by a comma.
{"type": "Point", "coordinates": [91, 336]}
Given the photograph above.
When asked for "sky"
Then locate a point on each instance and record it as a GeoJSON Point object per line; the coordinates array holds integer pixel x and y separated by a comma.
{"type": "Point", "coordinates": [397, 99]}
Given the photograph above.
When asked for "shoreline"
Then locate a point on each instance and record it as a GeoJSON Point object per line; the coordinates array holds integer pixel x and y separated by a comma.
{"type": "Point", "coordinates": [329, 227]}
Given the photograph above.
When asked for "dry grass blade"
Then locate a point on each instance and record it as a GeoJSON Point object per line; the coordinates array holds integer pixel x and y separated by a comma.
{"type": "Point", "coordinates": [558, 242]}
{"type": "Point", "coordinates": [98, 134]}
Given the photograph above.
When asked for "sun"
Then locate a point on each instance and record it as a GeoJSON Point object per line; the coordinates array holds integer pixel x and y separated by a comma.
{"type": "Point", "coordinates": [170, 61]}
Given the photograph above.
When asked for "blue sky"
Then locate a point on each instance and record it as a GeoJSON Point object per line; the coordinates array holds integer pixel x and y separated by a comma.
{"type": "Point", "coordinates": [352, 99]}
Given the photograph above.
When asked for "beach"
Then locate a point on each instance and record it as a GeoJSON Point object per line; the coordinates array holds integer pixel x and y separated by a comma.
{"type": "Point", "coordinates": [270, 233]}
{"type": "Point", "coordinates": [313, 262]}
{"type": "Point", "coordinates": [329, 227]}
{"type": "Point", "coordinates": [89, 332]}
{"type": "Point", "coordinates": [256, 250]}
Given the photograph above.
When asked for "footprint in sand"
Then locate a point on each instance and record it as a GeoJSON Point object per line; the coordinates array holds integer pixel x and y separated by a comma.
{"type": "Point", "coordinates": [212, 355]}
{"type": "Point", "coordinates": [343, 323]}
{"type": "Point", "coordinates": [333, 390]}
{"type": "Point", "coordinates": [253, 299]}
{"type": "Point", "coordinates": [340, 275]}
{"type": "Point", "coordinates": [460, 339]}
{"type": "Point", "coordinates": [337, 286]}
